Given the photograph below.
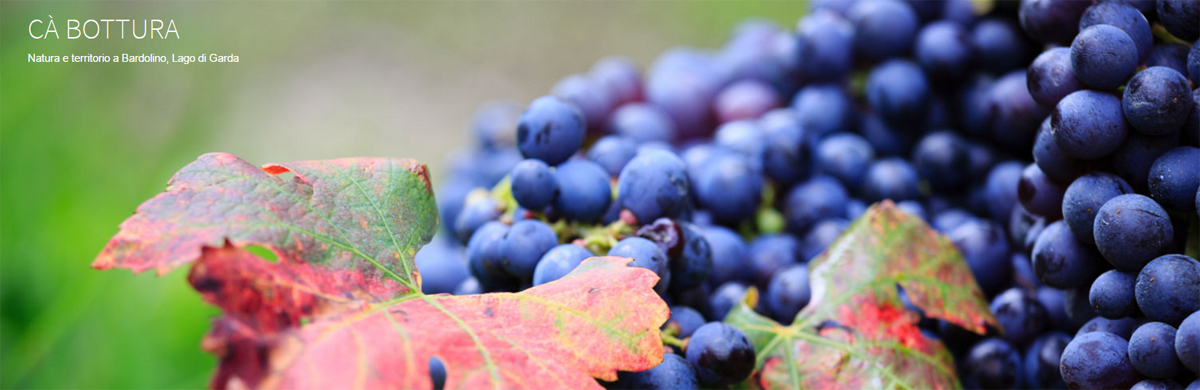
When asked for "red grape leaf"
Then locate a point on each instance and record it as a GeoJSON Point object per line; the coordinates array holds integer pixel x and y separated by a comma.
{"type": "Point", "coordinates": [342, 306]}
{"type": "Point", "coordinates": [856, 332]}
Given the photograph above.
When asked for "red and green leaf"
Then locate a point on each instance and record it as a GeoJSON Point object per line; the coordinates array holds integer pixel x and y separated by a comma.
{"type": "Point", "coordinates": [856, 332]}
{"type": "Point", "coordinates": [342, 306]}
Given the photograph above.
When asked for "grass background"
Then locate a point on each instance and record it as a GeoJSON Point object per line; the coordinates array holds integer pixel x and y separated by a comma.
{"type": "Point", "coordinates": [81, 145]}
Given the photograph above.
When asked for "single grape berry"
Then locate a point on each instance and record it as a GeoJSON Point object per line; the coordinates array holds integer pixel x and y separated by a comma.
{"type": "Point", "coordinates": [550, 130]}
{"type": "Point", "coordinates": [1152, 350]}
{"type": "Point", "coordinates": [944, 49]}
{"type": "Point", "coordinates": [584, 191]}
{"type": "Point", "coordinates": [730, 187]}
{"type": "Point", "coordinates": [1039, 194]}
{"type": "Point", "coordinates": [646, 254]}
{"type": "Point", "coordinates": [1098, 360]}
{"type": "Point", "coordinates": [1131, 230]}
{"type": "Point", "coordinates": [824, 46]}
{"type": "Point", "coordinates": [788, 292]}
{"type": "Point", "coordinates": [1173, 178]}
{"type": "Point", "coordinates": [1062, 261]}
{"type": "Point", "coordinates": [770, 253]}
{"type": "Point", "coordinates": [992, 364]}
{"type": "Point", "coordinates": [673, 373]}
{"type": "Point", "coordinates": [654, 185]}
{"type": "Point", "coordinates": [1088, 124]}
{"type": "Point", "coordinates": [999, 45]}
{"type": "Point", "coordinates": [1168, 287]}
{"type": "Point", "coordinates": [985, 249]}
{"type": "Point", "coordinates": [1187, 342]}
{"type": "Point", "coordinates": [787, 157]}
{"type": "Point", "coordinates": [1052, 21]}
{"type": "Point", "coordinates": [612, 152]}
{"type": "Point", "coordinates": [1051, 77]}
{"type": "Point", "coordinates": [443, 265]}
{"type": "Point", "coordinates": [558, 262]}
{"type": "Point", "coordinates": [721, 354]}
{"type": "Point", "coordinates": [685, 319]}
{"type": "Point", "coordinates": [533, 186]}
{"type": "Point", "coordinates": [824, 108]}
{"type": "Point", "coordinates": [524, 244]}
{"type": "Point", "coordinates": [818, 198]}
{"type": "Point", "coordinates": [1103, 56]}
{"type": "Point", "coordinates": [725, 298]}
{"type": "Point", "coordinates": [1157, 101]}
{"type": "Point", "coordinates": [1179, 17]}
{"type": "Point", "coordinates": [845, 156]}
{"type": "Point", "coordinates": [898, 91]}
{"type": "Point", "coordinates": [1125, 17]}
{"type": "Point", "coordinates": [890, 178]}
{"type": "Point", "coordinates": [1041, 361]}
{"type": "Point", "coordinates": [1112, 294]}
{"type": "Point", "coordinates": [1083, 200]}
{"type": "Point", "coordinates": [1020, 314]}
{"type": "Point", "coordinates": [643, 122]}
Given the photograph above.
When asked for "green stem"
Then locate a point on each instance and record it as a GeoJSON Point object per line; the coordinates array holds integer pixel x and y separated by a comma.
{"type": "Point", "coordinates": [671, 340]}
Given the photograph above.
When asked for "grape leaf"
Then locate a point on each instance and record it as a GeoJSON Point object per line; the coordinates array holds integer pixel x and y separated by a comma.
{"type": "Point", "coordinates": [856, 332]}
{"type": "Point", "coordinates": [342, 306]}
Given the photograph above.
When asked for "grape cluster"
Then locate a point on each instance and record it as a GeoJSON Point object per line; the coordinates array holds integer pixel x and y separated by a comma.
{"type": "Point", "coordinates": [1068, 180]}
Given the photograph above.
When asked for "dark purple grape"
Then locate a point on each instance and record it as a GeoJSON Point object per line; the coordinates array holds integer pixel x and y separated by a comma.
{"type": "Point", "coordinates": [1052, 21]}
{"type": "Point", "coordinates": [1098, 360]}
{"type": "Point", "coordinates": [1112, 294]}
{"type": "Point", "coordinates": [824, 46]}
{"type": "Point", "coordinates": [883, 29]}
{"type": "Point", "coordinates": [643, 122]}
{"type": "Point", "coordinates": [1083, 200]}
{"type": "Point", "coordinates": [654, 185]}
{"type": "Point", "coordinates": [1041, 361]}
{"type": "Point", "coordinates": [1062, 261]}
{"type": "Point", "coordinates": [1152, 350]}
{"type": "Point", "coordinates": [746, 99]}
{"type": "Point", "coordinates": [770, 253]}
{"type": "Point", "coordinates": [1131, 230]}
{"type": "Point", "coordinates": [1050, 77]}
{"type": "Point", "coordinates": [550, 130]}
{"type": "Point", "coordinates": [1167, 288]}
{"type": "Point", "coordinates": [1040, 195]}
{"type": "Point", "coordinates": [1174, 179]}
{"type": "Point", "coordinates": [787, 293]}
{"type": "Point", "coordinates": [731, 258]}
{"type": "Point", "coordinates": [1122, 16]}
{"type": "Point", "coordinates": [721, 354]}
{"type": "Point", "coordinates": [673, 373]}
{"type": "Point", "coordinates": [1020, 314]}
{"type": "Point", "coordinates": [993, 364]}
{"type": "Point", "coordinates": [1156, 101]}
{"type": "Point", "coordinates": [1179, 17]}
{"type": "Point", "coordinates": [1089, 124]}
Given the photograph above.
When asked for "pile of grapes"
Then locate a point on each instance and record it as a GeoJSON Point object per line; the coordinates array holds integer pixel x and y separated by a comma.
{"type": "Point", "coordinates": [1067, 179]}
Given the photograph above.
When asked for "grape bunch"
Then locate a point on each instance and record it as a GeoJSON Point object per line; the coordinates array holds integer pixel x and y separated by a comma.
{"type": "Point", "coordinates": [1069, 180]}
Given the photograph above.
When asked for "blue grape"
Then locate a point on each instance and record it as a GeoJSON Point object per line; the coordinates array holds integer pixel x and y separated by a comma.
{"type": "Point", "coordinates": [939, 158]}
{"type": "Point", "coordinates": [890, 178]}
{"type": "Point", "coordinates": [1122, 327]}
{"type": "Point", "coordinates": [683, 82]}
{"type": "Point", "coordinates": [1020, 314]}
{"type": "Point", "coordinates": [673, 373]}
{"type": "Point", "coordinates": [612, 152]}
{"type": "Point", "coordinates": [533, 186]}
{"type": "Point", "coordinates": [730, 256]}
{"type": "Point", "coordinates": [1167, 288]}
{"type": "Point", "coordinates": [1173, 178]}
{"type": "Point", "coordinates": [1055, 303]}
{"type": "Point", "coordinates": [746, 99]}
{"type": "Point", "coordinates": [725, 298]}
{"type": "Point", "coordinates": [485, 256]}
{"type": "Point", "coordinates": [1062, 261]}
{"type": "Point", "coordinates": [1089, 124]}
{"type": "Point", "coordinates": [883, 29]}
{"type": "Point", "coordinates": [770, 253]}
{"type": "Point", "coordinates": [751, 54]}
{"type": "Point", "coordinates": [1013, 113]}
{"type": "Point", "coordinates": [730, 188]}
{"type": "Point", "coordinates": [1052, 21]}
{"type": "Point", "coordinates": [898, 91]}
{"type": "Point", "coordinates": [1098, 360]}
{"type": "Point", "coordinates": [469, 286]}
{"type": "Point", "coordinates": [821, 236]}
{"type": "Point", "coordinates": [818, 198]}
{"type": "Point", "coordinates": [494, 124]}
{"type": "Point", "coordinates": [550, 130]}
{"type": "Point", "coordinates": [1152, 350]}
{"type": "Point", "coordinates": [591, 98]}
{"type": "Point", "coordinates": [974, 104]}
{"type": "Point", "coordinates": [788, 154]}
{"type": "Point", "coordinates": [1131, 230]}
{"type": "Point", "coordinates": [823, 108]}
{"type": "Point", "coordinates": [845, 156]}
{"type": "Point", "coordinates": [999, 45]}
{"type": "Point", "coordinates": [855, 208]}
{"type": "Point", "coordinates": [742, 136]}
{"type": "Point", "coordinates": [584, 191]}
{"type": "Point", "coordinates": [887, 140]}
{"type": "Point", "coordinates": [1051, 78]}
{"type": "Point", "coordinates": [947, 220]}
{"type": "Point", "coordinates": [443, 265]}
{"type": "Point", "coordinates": [654, 185]}
{"type": "Point", "coordinates": [985, 250]}
{"type": "Point", "coordinates": [1079, 310]}
{"type": "Point", "coordinates": [944, 50]}
{"type": "Point", "coordinates": [437, 373]}
{"type": "Point", "coordinates": [450, 197]}
{"type": "Point", "coordinates": [1023, 229]}
{"type": "Point", "coordinates": [1040, 195]}
{"type": "Point", "coordinates": [645, 254]}
{"type": "Point", "coordinates": [1083, 200]}
{"type": "Point", "coordinates": [1055, 163]}
{"type": "Point", "coordinates": [1193, 64]}
{"type": "Point", "coordinates": [1001, 188]}
{"type": "Point", "coordinates": [691, 259]}
{"type": "Point", "coordinates": [1122, 16]}
{"type": "Point", "coordinates": [959, 11]}
{"type": "Point", "coordinates": [685, 319]}
{"type": "Point", "coordinates": [838, 7]}
{"type": "Point", "coordinates": [1132, 161]}
{"type": "Point", "coordinates": [619, 77]}
{"type": "Point", "coordinates": [1156, 101]}
{"type": "Point", "coordinates": [1112, 294]}
{"type": "Point", "coordinates": [473, 215]}
{"type": "Point", "coordinates": [1156, 384]}
{"type": "Point", "coordinates": [824, 46]}
{"type": "Point", "coordinates": [788, 292]}
{"type": "Point", "coordinates": [1179, 17]}
{"type": "Point", "coordinates": [1041, 361]}
{"type": "Point", "coordinates": [558, 262]}
{"type": "Point", "coordinates": [524, 244]}
{"type": "Point", "coordinates": [1169, 54]}
{"type": "Point", "coordinates": [643, 122]}
{"type": "Point", "coordinates": [721, 354]}
{"type": "Point", "coordinates": [1187, 342]}
{"type": "Point", "coordinates": [992, 364]}
{"type": "Point", "coordinates": [1103, 56]}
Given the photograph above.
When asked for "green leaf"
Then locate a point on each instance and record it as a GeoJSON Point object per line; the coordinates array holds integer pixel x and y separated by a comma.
{"type": "Point", "coordinates": [856, 332]}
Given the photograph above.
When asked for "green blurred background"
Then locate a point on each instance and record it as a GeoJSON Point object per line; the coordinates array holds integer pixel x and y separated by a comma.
{"type": "Point", "coordinates": [81, 145]}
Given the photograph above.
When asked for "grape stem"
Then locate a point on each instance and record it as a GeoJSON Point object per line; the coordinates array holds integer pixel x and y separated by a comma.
{"type": "Point", "coordinates": [671, 340]}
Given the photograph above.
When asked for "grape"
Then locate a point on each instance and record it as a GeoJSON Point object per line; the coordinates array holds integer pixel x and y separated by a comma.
{"type": "Point", "coordinates": [524, 244]}
{"type": "Point", "coordinates": [890, 178]}
{"type": "Point", "coordinates": [1190, 135]}
{"type": "Point", "coordinates": [1013, 113]}
{"type": "Point", "coordinates": [1156, 101]}
{"type": "Point", "coordinates": [1179, 17]}
{"type": "Point", "coordinates": [1001, 188]}
{"type": "Point", "coordinates": [974, 104]}
{"type": "Point", "coordinates": [844, 156]}
{"type": "Point", "coordinates": [1193, 64]}
{"type": "Point", "coordinates": [653, 185]}
{"type": "Point", "coordinates": [993, 364]}
{"type": "Point", "coordinates": [1088, 124]}
{"type": "Point", "coordinates": [619, 77]}
{"type": "Point", "coordinates": [443, 265]}
{"type": "Point", "coordinates": [558, 262]}
{"type": "Point", "coordinates": [469, 286]}
{"type": "Point", "coordinates": [1167, 288]}
{"type": "Point", "coordinates": [1079, 310]}
{"type": "Point", "coordinates": [1020, 314]}
{"type": "Point", "coordinates": [474, 214]}
{"type": "Point", "coordinates": [947, 220]}
{"type": "Point", "coordinates": [485, 257]}
{"type": "Point", "coordinates": [583, 190]}
{"type": "Point", "coordinates": [1187, 342]}
{"type": "Point", "coordinates": [838, 7]}
{"type": "Point", "coordinates": [855, 208]}
{"type": "Point", "coordinates": [787, 157]}
{"type": "Point", "coordinates": [1062, 261]}
{"type": "Point", "coordinates": [1152, 350]}
{"type": "Point", "coordinates": [591, 99]}
{"type": "Point", "coordinates": [742, 136]}
{"type": "Point", "coordinates": [725, 298]}
{"type": "Point", "coordinates": [494, 123]}
{"type": "Point", "coordinates": [1171, 55]}
{"type": "Point", "coordinates": [985, 250]}
{"type": "Point", "coordinates": [437, 373]}
{"type": "Point", "coordinates": [898, 91]}
{"type": "Point", "coordinates": [823, 108]}
{"type": "Point", "coordinates": [645, 254]}
{"type": "Point", "coordinates": [643, 122]}
{"type": "Point", "coordinates": [485, 167]}
{"type": "Point", "coordinates": [673, 373]}
{"type": "Point", "coordinates": [1195, 385]}
{"type": "Point", "coordinates": [1156, 384]}
{"type": "Point", "coordinates": [1122, 16]}
{"type": "Point", "coordinates": [1098, 360]}
{"type": "Point", "coordinates": [686, 319]}
{"type": "Point", "coordinates": [885, 139]}
{"type": "Point", "coordinates": [730, 188]}
{"type": "Point", "coordinates": [683, 82]}
{"type": "Point", "coordinates": [1038, 194]}
{"type": "Point", "coordinates": [730, 257]}
{"type": "Point", "coordinates": [788, 292]}
{"type": "Point", "coordinates": [1173, 178]}
{"type": "Point", "coordinates": [1112, 294]}
{"type": "Point", "coordinates": [1133, 159]}
{"type": "Point", "coordinates": [1083, 199]}
{"type": "Point", "coordinates": [770, 253]}
{"type": "Point", "coordinates": [1051, 78]}
{"type": "Point", "coordinates": [939, 159]}
{"type": "Point", "coordinates": [1024, 229]}
{"type": "Point", "coordinates": [691, 259]}
{"type": "Point", "coordinates": [821, 236]}
{"type": "Point", "coordinates": [1052, 21]}
{"type": "Point", "coordinates": [960, 11]}
{"type": "Point", "coordinates": [1041, 361]}
{"type": "Point", "coordinates": [747, 99]}
{"type": "Point", "coordinates": [1051, 159]}
{"type": "Point", "coordinates": [550, 130]}
{"type": "Point", "coordinates": [721, 354]}
{"type": "Point", "coordinates": [883, 28]}
{"type": "Point", "coordinates": [533, 186]}
{"type": "Point", "coordinates": [823, 45]}
{"type": "Point", "coordinates": [999, 46]}
{"type": "Point", "coordinates": [944, 50]}
{"type": "Point", "coordinates": [1103, 56]}
{"type": "Point", "coordinates": [1131, 230]}
{"type": "Point", "coordinates": [818, 198]}
{"type": "Point", "coordinates": [1055, 303]}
